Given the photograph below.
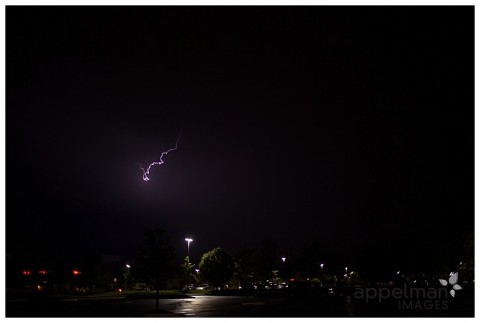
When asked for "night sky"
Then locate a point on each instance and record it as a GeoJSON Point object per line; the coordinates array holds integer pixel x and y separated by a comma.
{"type": "Point", "coordinates": [348, 126]}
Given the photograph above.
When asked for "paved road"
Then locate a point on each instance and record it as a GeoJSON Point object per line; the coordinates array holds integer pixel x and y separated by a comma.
{"type": "Point", "coordinates": [216, 306]}
{"type": "Point", "coordinates": [199, 306]}
{"type": "Point", "coordinates": [235, 306]}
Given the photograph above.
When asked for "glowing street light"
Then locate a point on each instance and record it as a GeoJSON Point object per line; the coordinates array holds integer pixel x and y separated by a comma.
{"type": "Point", "coordinates": [321, 266]}
{"type": "Point", "coordinates": [128, 266]}
{"type": "Point", "coordinates": [283, 259]}
{"type": "Point", "coordinates": [188, 240]}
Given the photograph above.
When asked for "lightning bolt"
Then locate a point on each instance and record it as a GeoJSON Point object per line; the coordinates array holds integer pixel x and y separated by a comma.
{"type": "Point", "coordinates": [159, 162]}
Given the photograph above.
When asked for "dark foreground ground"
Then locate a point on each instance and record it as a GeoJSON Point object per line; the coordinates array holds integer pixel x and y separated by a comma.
{"type": "Point", "coordinates": [260, 305]}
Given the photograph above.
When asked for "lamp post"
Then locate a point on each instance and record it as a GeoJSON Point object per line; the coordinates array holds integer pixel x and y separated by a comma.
{"type": "Point", "coordinates": [321, 273]}
{"type": "Point", "coordinates": [197, 276]}
{"type": "Point", "coordinates": [126, 275]}
{"type": "Point", "coordinates": [188, 240]}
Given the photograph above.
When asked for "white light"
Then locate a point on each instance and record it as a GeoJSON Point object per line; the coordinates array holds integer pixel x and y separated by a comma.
{"type": "Point", "coordinates": [188, 240]}
{"type": "Point", "coordinates": [127, 265]}
{"type": "Point", "coordinates": [283, 259]}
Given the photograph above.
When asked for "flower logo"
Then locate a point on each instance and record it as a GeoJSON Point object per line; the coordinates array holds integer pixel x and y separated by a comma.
{"type": "Point", "coordinates": [452, 281]}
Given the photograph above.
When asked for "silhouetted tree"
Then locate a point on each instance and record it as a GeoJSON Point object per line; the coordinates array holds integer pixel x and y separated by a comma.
{"type": "Point", "coordinates": [154, 266]}
{"type": "Point", "coordinates": [216, 267]}
{"type": "Point", "coordinates": [245, 267]}
{"type": "Point", "coordinates": [93, 272]}
{"type": "Point", "coordinates": [187, 270]}
{"type": "Point", "coordinates": [183, 275]}
{"type": "Point", "coordinates": [266, 259]}
{"type": "Point", "coordinates": [253, 265]}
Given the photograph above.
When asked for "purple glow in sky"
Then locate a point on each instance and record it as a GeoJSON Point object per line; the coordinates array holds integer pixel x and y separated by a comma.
{"type": "Point", "coordinates": [159, 162]}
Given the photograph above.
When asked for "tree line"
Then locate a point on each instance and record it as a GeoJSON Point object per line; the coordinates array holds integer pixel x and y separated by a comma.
{"type": "Point", "coordinates": [261, 267]}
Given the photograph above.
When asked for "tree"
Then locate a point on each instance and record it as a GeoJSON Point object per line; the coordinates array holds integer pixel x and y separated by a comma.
{"type": "Point", "coordinates": [93, 273]}
{"type": "Point", "coordinates": [245, 267]}
{"type": "Point", "coordinates": [186, 271]}
{"type": "Point", "coordinates": [266, 259]}
{"type": "Point", "coordinates": [154, 266]}
{"type": "Point", "coordinates": [216, 267]}
{"type": "Point", "coordinates": [253, 265]}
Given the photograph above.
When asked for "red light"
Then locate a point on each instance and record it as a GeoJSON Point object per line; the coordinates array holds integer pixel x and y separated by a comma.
{"type": "Point", "coordinates": [43, 272]}
{"type": "Point", "coordinates": [76, 272]}
{"type": "Point", "coordinates": [26, 272]}
{"type": "Point", "coordinates": [292, 279]}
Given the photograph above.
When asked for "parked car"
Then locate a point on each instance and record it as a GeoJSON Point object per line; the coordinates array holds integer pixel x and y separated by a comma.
{"type": "Point", "coordinates": [140, 286]}
{"type": "Point", "coordinates": [188, 287]}
{"type": "Point", "coordinates": [203, 287]}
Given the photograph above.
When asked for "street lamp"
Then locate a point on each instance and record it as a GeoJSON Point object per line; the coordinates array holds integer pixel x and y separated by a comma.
{"type": "Point", "coordinates": [321, 273]}
{"type": "Point", "coordinates": [126, 275]}
{"type": "Point", "coordinates": [283, 259]}
{"type": "Point", "coordinates": [188, 240]}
